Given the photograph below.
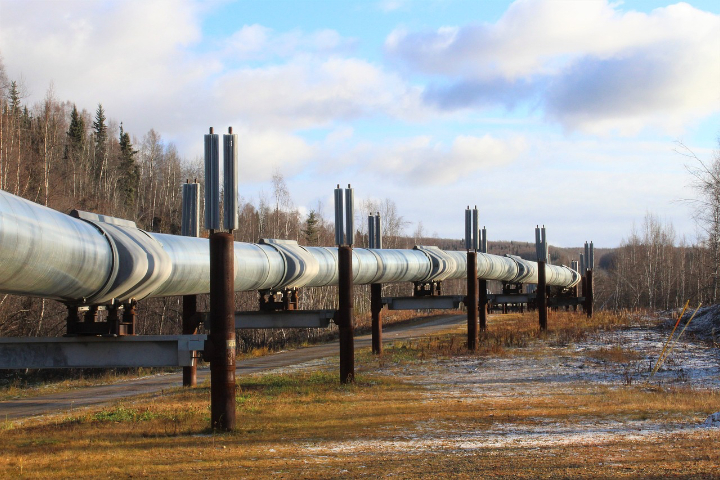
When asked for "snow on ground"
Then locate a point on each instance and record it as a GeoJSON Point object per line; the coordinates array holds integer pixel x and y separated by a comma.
{"type": "Point", "coordinates": [712, 421]}
{"type": "Point", "coordinates": [705, 324]}
{"type": "Point", "coordinates": [614, 359]}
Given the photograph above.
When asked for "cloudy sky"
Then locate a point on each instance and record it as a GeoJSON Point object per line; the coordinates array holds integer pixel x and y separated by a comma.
{"type": "Point", "coordinates": [563, 113]}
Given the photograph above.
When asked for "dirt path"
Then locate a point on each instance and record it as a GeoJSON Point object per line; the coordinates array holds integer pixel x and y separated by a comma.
{"type": "Point", "coordinates": [83, 397]}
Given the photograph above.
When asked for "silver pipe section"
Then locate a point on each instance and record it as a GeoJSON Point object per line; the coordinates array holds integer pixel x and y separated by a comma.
{"type": "Point", "coordinates": [99, 260]}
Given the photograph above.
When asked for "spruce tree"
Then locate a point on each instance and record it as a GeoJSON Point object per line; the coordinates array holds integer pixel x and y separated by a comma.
{"type": "Point", "coordinates": [311, 230]}
{"type": "Point", "coordinates": [100, 133]}
{"type": "Point", "coordinates": [75, 136]}
{"type": "Point", "coordinates": [129, 174]}
{"type": "Point", "coordinates": [14, 99]}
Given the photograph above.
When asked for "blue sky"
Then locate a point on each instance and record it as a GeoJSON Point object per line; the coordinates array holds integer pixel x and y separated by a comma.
{"type": "Point", "coordinates": [563, 113]}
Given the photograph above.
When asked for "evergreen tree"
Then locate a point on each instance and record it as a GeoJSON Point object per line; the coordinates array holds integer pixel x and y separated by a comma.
{"type": "Point", "coordinates": [75, 136]}
{"type": "Point", "coordinates": [311, 230]}
{"type": "Point", "coordinates": [100, 133]}
{"type": "Point", "coordinates": [14, 99]}
{"type": "Point", "coordinates": [129, 173]}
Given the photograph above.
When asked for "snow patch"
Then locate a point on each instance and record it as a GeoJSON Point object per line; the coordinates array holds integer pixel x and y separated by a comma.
{"type": "Point", "coordinates": [712, 421]}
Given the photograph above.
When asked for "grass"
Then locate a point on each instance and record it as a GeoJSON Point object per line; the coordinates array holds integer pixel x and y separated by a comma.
{"type": "Point", "coordinates": [44, 382]}
{"type": "Point", "coordinates": [306, 425]}
{"type": "Point", "coordinates": [510, 334]}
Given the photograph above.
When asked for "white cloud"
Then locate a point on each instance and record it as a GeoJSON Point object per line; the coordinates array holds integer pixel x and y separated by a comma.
{"type": "Point", "coordinates": [307, 92]}
{"type": "Point", "coordinates": [257, 42]}
{"type": "Point", "coordinates": [419, 160]}
{"type": "Point", "coordinates": [265, 151]}
{"type": "Point", "coordinates": [132, 56]}
{"type": "Point", "coordinates": [589, 64]}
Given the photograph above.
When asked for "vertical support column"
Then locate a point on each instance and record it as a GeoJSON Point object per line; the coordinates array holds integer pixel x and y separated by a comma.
{"type": "Point", "coordinates": [73, 318]}
{"type": "Point", "coordinates": [113, 320]}
{"type": "Point", "coordinates": [589, 293]}
{"type": "Point", "coordinates": [345, 314]}
{"type": "Point", "coordinates": [376, 308]}
{"type": "Point", "coordinates": [589, 296]}
{"type": "Point", "coordinates": [482, 304]}
{"type": "Point", "coordinates": [129, 314]}
{"type": "Point", "coordinates": [344, 238]}
{"type": "Point", "coordinates": [542, 296]}
{"type": "Point", "coordinates": [378, 231]}
{"type": "Point", "coordinates": [222, 331]}
{"type": "Point", "coordinates": [189, 310]}
{"type": "Point", "coordinates": [222, 284]}
{"type": "Point", "coordinates": [472, 244]}
{"type": "Point", "coordinates": [472, 301]}
{"type": "Point", "coordinates": [482, 285]}
{"type": "Point", "coordinates": [376, 305]}
{"type": "Point", "coordinates": [190, 227]}
{"type": "Point", "coordinates": [91, 314]}
{"type": "Point", "coordinates": [541, 250]}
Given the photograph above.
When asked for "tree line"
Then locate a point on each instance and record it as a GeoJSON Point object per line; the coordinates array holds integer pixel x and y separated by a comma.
{"type": "Point", "coordinates": [65, 158]}
{"type": "Point", "coordinates": [57, 155]}
{"type": "Point", "coordinates": [654, 267]}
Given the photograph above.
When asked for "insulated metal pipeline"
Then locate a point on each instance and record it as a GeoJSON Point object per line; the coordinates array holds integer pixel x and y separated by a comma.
{"type": "Point", "coordinates": [96, 260]}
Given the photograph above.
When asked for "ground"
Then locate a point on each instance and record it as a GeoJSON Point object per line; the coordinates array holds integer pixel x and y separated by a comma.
{"type": "Point", "coordinates": [575, 402]}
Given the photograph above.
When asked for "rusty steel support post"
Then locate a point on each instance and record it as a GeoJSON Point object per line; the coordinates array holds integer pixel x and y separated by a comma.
{"type": "Point", "coordinates": [91, 315]}
{"type": "Point", "coordinates": [376, 308]}
{"type": "Point", "coordinates": [542, 296]}
{"type": "Point", "coordinates": [482, 304]}
{"type": "Point", "coordinates": [589, 294]}
{"type": "Point", "coordinates": [113, 321]}
{"type": "Point", "coordinates": [129, 314]}
{"type": "Point", "coordinates": [472, 301]}
{"type": "Point", "coordinates": [584, 291]}
{"type": "Point", "coordinates": [345, 315]}
{"type": "Point", "coordinates": [222, 331]}
{"type": "Point", "coordinates": [189, 327]}
{"type": "Point", "coordinates": [73, 318]}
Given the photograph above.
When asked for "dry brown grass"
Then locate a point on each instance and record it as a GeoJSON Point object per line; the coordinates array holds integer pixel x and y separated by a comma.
{"type": "Point", "coordinates": [38, 383]}
{"type": "Point", "coordinates": [513, 334]}
{"type": "Point", "coordinates": [305, 425]}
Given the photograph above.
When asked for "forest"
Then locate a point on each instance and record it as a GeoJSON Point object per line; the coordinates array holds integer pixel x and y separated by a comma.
{"type": "Point", "coordinates": [56, 155]}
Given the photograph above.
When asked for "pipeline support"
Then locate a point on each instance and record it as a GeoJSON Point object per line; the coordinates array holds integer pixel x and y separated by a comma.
{"type": "Point", "coordinates": [222, 332]}
{"type": "Point", "coordinates": [345, 315]}
{"type": "Point", "coordinates": [542, 296]}
{"type": "Point", "coordinates": [472, 303]}
{"type": "Point", "coordinates": [589, 294]}
{"type": "Point", "coordinates": [376, 308]}
{"type": "Point", "coordinates": [482, 304]}
{"type": "Point", "coordinates": [189, 327]}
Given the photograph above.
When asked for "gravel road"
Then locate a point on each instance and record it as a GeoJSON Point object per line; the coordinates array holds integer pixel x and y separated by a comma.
{"type": "Point", "coordinates": [88, 396]}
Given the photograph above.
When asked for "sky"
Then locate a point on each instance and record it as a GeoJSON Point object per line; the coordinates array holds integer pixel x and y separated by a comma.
{"type": "Point", "coordinates": [562, 113]}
